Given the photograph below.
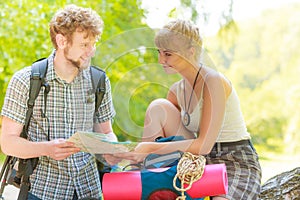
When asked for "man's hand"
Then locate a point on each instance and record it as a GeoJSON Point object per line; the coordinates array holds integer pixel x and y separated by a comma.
{"type": "Point", "coordinates": [60, 149]}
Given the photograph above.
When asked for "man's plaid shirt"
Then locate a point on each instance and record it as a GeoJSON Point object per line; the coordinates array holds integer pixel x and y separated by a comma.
{"type": "Point", "coordinates": [69, 108]}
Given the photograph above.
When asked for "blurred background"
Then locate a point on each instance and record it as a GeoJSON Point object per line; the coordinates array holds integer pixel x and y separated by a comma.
{"type": "Point", "coordinates": [254, 43]}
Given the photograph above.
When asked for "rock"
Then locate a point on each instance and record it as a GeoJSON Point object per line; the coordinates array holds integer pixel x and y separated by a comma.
{"type": "Point", "coordinates": [285, 186]}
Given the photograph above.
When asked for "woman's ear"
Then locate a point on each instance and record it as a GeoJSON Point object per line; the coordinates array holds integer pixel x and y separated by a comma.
{"type": "Point", "coordinates": [192, 51]}
{"type": "Point", "coordinates": [191, 54]}
{"type": "Point", "coordinates": [61, 41]}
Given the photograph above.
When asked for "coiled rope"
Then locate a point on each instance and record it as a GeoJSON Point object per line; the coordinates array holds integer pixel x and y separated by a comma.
{"type": "Point", "coordinates": [190, 168]}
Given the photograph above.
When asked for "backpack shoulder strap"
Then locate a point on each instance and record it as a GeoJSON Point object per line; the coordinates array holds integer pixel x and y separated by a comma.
{"type": "Point", "coordinates": [37, 80]}
{"type": "Point", "coordinates": [38, 71]}
{"type": "Point", "coordinates": [98, 82]}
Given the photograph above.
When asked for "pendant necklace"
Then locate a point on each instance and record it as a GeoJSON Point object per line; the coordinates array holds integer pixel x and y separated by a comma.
{"type": "Point", "coordinates": [186, 116]}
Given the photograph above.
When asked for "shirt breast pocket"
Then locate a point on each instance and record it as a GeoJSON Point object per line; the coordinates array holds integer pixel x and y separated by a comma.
{"type": "Point", "coordinates": [90, 103]}
{"type": "Point", "coordinates": [83, 112]}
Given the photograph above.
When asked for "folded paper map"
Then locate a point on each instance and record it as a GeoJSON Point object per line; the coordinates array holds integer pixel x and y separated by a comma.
{"type": "Point", "coordinates": [98, 143]}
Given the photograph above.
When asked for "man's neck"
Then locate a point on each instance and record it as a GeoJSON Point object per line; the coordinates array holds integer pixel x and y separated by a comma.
{"type": "Point", "coordinates": [63, 69]}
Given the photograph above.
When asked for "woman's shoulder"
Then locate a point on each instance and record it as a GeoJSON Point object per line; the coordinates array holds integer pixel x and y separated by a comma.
{"type": "Point", "coordinates": [173, 91]}
{"type": "Point", "coordinates": [215, 78]}
{"type": "Point", "coordinates": [209, 73]}
{"type": "Point", "coordinates": [175, 86]}
{"type": "Point", "coordinates": [212, 75]}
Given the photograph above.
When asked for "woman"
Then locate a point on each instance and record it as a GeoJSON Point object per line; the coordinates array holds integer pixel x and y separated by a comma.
{"type": "Point", "coordinates": [204, 108]}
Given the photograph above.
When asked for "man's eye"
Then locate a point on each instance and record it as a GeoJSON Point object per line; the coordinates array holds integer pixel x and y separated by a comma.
{"type": "Point", "coordinates": [168, 54]}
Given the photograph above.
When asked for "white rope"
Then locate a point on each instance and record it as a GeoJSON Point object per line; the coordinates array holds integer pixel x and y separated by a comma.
{"type": "Point", "coordinates": [190, 168]}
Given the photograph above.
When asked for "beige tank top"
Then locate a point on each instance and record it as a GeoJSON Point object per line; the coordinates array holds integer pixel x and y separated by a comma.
{"type": "Point", "coordinates": [233, 128]}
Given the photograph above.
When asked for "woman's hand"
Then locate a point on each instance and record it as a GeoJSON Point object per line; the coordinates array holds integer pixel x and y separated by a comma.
{"type": "Point", "coordinates": [132, 156]}
{"type": "Point", "coordinates": [139, 153]}
{"type": "Point", "coordinates": [112, 159]}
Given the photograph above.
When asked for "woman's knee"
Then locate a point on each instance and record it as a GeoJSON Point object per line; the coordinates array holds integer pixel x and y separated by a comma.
{"type": "Point", "coordinates": [158, 108]}
{"type": "Point", "coordinates": [162, 110]}
{"type": "Point", "coordinates": [160, 104]}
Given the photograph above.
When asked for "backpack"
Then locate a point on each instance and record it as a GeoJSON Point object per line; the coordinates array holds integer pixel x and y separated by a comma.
{"type": "Point", "coordinates": [20, 177]}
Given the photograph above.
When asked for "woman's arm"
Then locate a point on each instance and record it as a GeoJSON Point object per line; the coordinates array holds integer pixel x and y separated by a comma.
{"type": "Point", "coordinates": [216, 91]}
{"type": "Point", "coordinates": [214, 101]}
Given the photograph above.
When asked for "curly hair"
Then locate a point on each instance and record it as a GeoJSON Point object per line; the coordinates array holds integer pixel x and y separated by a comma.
{"type": "Point", "coordinates": [179, 35]}
{"type": "Point", "coordinates": [74, 18]}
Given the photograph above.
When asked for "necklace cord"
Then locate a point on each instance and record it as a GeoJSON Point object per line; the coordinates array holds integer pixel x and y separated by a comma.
{"type": "Point", "coordinates": [194, 84]}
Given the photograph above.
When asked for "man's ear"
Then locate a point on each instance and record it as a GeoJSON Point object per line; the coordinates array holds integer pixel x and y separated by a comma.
{"type": "Point", "coordinates": [61, 41]}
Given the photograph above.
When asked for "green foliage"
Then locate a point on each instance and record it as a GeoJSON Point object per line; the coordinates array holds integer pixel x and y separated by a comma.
{"type": "Point", "coordinates": [24, 33]}
{"type": "Point", "coordinates": [23, 37]}
{"type": "Point", "coordinates": [130, 60]}
{"type": "Point", "coordinates": [259, 56]}
{"type": "Point", "coordinates": [263, 61]}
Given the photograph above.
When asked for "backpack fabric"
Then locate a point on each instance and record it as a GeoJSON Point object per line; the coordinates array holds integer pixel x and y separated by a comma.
{"type": "Point", "coordinates": [26, 167]}
{"type": "Point", "coordinates": [159, 185]}
{"type": "Point", "coordinates": [156, 185]}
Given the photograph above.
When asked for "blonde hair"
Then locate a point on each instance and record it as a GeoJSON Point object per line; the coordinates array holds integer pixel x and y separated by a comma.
{"type": "Point", "coordinates": [73, 18]}
{"type": "Point", "coordinates": [180, 35]}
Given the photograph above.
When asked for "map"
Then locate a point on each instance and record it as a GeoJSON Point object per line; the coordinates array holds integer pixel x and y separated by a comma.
{"type": "Point", "coordinates": [97, 143]}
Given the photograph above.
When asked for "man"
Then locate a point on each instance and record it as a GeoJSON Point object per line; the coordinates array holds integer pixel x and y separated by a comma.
{"type": "Point", "coordinates": [63, 171]}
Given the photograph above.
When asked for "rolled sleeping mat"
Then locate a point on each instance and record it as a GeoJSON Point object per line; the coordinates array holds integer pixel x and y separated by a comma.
{"type": "Point", "coordinates": [137, 185]}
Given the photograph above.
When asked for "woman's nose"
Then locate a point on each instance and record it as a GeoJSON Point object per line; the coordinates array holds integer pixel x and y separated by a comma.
{"type": "Point", "coordinates": [161, 59]}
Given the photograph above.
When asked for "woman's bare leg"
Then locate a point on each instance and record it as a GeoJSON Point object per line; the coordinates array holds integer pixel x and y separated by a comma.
{"type": "Point", "coordinates": [163, 119]}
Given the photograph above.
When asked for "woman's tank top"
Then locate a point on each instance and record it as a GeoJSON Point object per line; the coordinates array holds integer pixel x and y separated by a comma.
{"type": "Point", "coordinates": [233, 127]}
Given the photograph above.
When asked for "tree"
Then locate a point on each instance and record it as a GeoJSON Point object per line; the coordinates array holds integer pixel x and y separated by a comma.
{"type": "Point", "coordinates": [264, 68]}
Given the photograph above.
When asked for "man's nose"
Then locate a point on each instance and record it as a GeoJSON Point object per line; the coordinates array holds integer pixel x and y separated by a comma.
{"type": "Point", "coordinates": [90, 51]}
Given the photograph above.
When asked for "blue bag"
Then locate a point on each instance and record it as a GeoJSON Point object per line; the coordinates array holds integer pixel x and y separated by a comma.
{"type": "Point", "coordinates": [159, 185]}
